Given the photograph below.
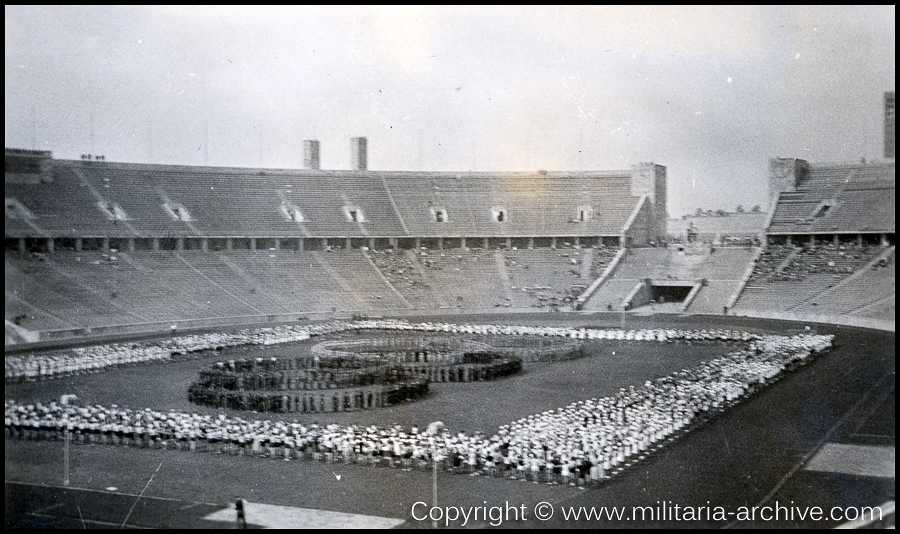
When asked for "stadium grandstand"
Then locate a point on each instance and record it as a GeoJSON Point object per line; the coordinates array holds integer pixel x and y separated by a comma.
{"type": "Point", "coordinates": [272, 293]}
{"type": "Point", "coordinates": [830, 242]}
{"type": "Point", "coordinates": [209, 325]}
{"type": "Point", "coordinates": [95, 246]}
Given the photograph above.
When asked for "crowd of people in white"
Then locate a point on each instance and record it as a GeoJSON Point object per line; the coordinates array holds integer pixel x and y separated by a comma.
{"type": "Point", "coordinates": [585, 442]}
{"type": "Point", "coordinates": [28, 366]}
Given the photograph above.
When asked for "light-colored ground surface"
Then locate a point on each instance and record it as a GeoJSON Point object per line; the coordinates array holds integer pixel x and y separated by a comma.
{"type": "Point", "coordinates": [859, 460]}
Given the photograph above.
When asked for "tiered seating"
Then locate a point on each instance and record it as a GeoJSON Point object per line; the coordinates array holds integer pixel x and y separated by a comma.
{"type": "Point", "coordinates": [712, 298]}
{"type": "Point", "coordinates": [805, 274]}
{"type": "Point", "coordinates": [138, 193]}
{"type": "Point", "coordinates": [454, 278]}
{"type": "Point", "coordinates": [726, 263]}
{"type": "Point", "coordinates": [661, 264]}
{"type": "Point", "coordinates": [467, 278]}
{"type": "Point", "coordinates": [868, 286]}
{"type": "Point", "coordinates": [545, 277]}
{"type": "Point", "coordinates": [610, 295]}
{"type": "Point", "coordinates": [367, 191]}
{"type": "Point", "coordinates": [603, 256]}
{"type": "Point", "coordinates": [239, 274]}
{"type": "Point", "coordinates": [722, 269]}
{"type": "Point", "coordinates": [360, 282]}
{"type": "Point", "coordinates": [404, 273]}
{"type": "Point", "coordinates": [60, 292]}
{"type": "Point", "coordinates": [248, 202]}
{"type": "Point", "coordinates": [285, 281]}
{"type": "Point", "coordinates": [19, 288]}
{"type": "Point", "coordinates": [537, 204]}
{"type": "Point", "coordinates": [770, 261]}
{"type": "Point", "coordinates": [825, 259]}
{"type": "Point", "coordinates": [861, 198]}
{"type": "Point", "coordinates": [90, 289]}
{"type": "Point", "coordinates": [886, 309]}
{"type": "Point", "coordinates": [415, 194]}
{"type": "Point", "coordinates": [65, 207]}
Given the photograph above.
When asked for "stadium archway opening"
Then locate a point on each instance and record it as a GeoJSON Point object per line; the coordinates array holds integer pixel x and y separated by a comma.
{"type": "Point", "coordinates": [663, 293]}
{"type": "Point", "coordinates": [672, 292]}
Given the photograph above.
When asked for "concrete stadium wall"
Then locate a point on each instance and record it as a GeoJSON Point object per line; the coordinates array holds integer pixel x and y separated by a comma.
{"type": "Point", "coordinates": [638, 230]}
{"type": "Point", "coordinates": [78, 336]}
{"type": "Point", "coordinates": [862, 322]}
{"type": "Point", "coordinates": [610, 269]}
{"type": "Point", "coordinates": [639, 296]}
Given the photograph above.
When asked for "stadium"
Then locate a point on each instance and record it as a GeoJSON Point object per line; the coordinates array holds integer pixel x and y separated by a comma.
{"type": "Point", "coordinates": [384, 349]}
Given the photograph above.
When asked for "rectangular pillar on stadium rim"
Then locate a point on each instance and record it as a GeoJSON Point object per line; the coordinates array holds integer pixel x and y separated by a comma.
{"type": "Point", "coordinates": [650, 179]}
{"type": "Point", "coordinates": [889, 146]}
{"type": "Point", "coordinates": [785, 174]}
{"type": "Point", "coordinates": [311, 159]}
{"type": "Point", "coordinates": [359, 160]}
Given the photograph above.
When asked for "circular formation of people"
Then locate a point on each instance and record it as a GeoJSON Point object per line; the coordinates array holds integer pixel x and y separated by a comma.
{"type": "Point", "coordinates": [587, 441]}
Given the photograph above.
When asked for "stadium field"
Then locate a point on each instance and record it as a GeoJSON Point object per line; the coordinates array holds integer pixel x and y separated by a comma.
{"type": "Point", "coordinates": [467, 406]}
{"type": "Point", "coordinates": [760, 452]}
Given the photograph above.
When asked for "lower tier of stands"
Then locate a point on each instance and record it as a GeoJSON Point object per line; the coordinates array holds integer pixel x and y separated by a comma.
{"type": "Point", "coordinates": [83, 290]}
{"type": "Point", "coordinates": [825, 280]}
{"type": "Point", "coordinates": [721, 269]}
{"type": "Point", "coordinates": [89, 290]}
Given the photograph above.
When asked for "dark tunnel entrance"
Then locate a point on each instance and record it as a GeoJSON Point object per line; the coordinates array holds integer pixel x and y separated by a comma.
{"type": "Point", "coordinates": [669, 293]}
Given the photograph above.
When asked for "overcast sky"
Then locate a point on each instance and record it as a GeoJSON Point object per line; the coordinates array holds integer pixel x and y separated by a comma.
{"type": "Point", "coordinates": [711, 93]}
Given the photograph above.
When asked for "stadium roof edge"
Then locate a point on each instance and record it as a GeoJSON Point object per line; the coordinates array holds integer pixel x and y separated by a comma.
{"type": "Point", "coordinates": [336, 172]}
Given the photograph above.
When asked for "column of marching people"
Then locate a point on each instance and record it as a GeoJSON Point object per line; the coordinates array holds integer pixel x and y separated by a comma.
{"type": "Point", "coordinates": [95, 358]}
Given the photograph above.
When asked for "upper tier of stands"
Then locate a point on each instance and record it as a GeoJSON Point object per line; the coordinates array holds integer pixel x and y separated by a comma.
{"type": "Point", "coordinates": [838, 198]}
{"type": "Point", "coordinates": [536, 204]}
{"type": "Point", "coordinates": [81, 196]}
